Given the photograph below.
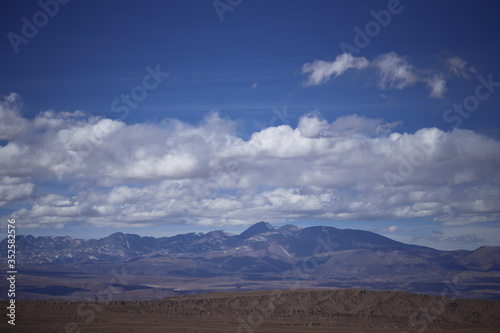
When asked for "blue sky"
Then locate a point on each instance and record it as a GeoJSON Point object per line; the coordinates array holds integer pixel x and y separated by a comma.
{"type": "Point", "coordinates": [160, 117]}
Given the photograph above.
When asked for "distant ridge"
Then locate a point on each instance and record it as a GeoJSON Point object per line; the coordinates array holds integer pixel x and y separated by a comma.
{"type": "Point", "coordinates": [261, 257]}
{"type": "Point", "coordinates": [117, 246]}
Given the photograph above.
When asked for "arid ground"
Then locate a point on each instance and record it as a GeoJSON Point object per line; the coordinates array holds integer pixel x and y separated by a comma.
{"type": "Point", "coordinates": [352, 310]}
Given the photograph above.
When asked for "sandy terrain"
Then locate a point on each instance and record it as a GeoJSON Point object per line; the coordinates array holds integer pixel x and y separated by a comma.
{"type": "Point", "coordinates": [264, 311]}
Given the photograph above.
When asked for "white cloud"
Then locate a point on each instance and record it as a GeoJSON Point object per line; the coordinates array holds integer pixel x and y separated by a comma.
{"type": "Point", "coordinates": [57, 120]}
{"type": "Point", "coordinates": [392, 228]}
{"type": "Point", "coordinates": [153, 174]}
{"type": "Point", "coordinates": [393, 70]}
{"type": "Point", "coordinates": [437, 85]}
{"type": "Point", "coordinates": [11, 121]}
{"type": "Point", "coordinates": [312, 126]}
{"type": "Point", "coordinates": [15, 192]}
{"type": "Point", "coordinates": [321, 71]}
{"type": "Point", "coordinates": [356, 124]}
{"type": "Point", "coordinates": [254, 85]}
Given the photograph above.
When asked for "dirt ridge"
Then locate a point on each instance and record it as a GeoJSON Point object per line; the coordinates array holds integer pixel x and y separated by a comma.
{"type": "Point", "coordinates": [312, 308]}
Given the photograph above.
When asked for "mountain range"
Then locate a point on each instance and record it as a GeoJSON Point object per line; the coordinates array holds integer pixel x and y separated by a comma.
{"type": "Point", "coordinates": [261, 257]}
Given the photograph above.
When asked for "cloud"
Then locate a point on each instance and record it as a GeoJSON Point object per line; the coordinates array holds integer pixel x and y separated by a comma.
{"type": "Point", "coordinates": [392, 228]}
{"type": "Point", "coordinates": [393, 71]}
{"type": "Point", "coordinates": [458, 67]}
{"type": "Point", "coordinates": [437, 85]}
{"type": "Point", "coordinates": [312, 126]}
{"type": "Point", "coordinates": [11, 121]}
{"type": "Point", "coordinates": [14, 192]}
{"type": "Point", "coordinates": [74, 168]}
{"type": "Point", "coordinates": [468, 218]}
{"type": "Point", "coordinates": [49, 120]}
{"type": "Point", "coordinates": [321, 71]}
{"type": "Point", "coordinates": [438, 237]}
{"type": "Point", "coordinates": [368, 126]}
{"type": "Point", "coordinates": [254, 85]}
{"type": "Point", "coordinates": [388, 99]}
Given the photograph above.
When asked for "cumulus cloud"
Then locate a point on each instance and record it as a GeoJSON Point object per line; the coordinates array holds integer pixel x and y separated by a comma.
{"type": "Point", "coordinates": [312, 126]}
{"type": "Point", "coordinates": [394, 71]}
{"type": "Point", "coordinates": [11, 121]}
{"type": "Point", "coordinates": [100, 171]}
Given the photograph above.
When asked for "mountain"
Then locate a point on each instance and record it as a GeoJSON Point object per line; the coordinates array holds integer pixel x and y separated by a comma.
{"type": "Point", "coordinates": [260, 236]}
{"type": "Point", "coordinates": [261, 257]}
{"type": "Point", "coordinates": [256, 229]}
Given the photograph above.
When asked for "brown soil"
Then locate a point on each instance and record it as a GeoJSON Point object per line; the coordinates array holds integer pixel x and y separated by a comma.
{"type": "Point", "coordinates": [288, 311]}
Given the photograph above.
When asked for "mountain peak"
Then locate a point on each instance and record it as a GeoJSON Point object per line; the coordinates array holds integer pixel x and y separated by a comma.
{"type": "Point", "coordinates": [257, 228]}
{"type": "Point", "coordinates": [116, 235]}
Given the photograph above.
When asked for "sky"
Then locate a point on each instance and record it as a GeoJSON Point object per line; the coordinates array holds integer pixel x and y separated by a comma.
{"type": "Point", "coordinates": [167, 117]}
